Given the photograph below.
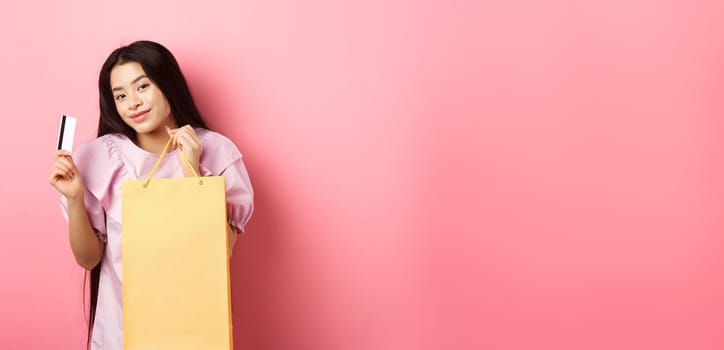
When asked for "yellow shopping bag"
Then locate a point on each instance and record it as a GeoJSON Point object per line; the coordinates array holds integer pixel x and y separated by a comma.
{"type": "Point", "coordinates": [176, 291]}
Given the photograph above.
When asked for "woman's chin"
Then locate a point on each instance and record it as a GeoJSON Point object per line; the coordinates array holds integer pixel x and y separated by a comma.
{"type": "Point", "coordinates": [144, 130]}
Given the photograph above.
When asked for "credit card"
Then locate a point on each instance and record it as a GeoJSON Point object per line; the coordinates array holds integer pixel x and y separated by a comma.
{"type": "Point", "coordinates": [66, 133]}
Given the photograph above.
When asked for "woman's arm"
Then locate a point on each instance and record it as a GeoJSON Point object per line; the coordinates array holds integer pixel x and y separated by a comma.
{"type": "Point", "coordinates": [87, 247]}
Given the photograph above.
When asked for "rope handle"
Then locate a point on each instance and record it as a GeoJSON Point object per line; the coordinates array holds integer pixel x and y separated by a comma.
{"type": "Point", "coordinates": [160, 158]}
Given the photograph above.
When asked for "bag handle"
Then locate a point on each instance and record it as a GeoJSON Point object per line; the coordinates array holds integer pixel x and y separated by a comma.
{"type": "Point", "coordinates": [160, 158]}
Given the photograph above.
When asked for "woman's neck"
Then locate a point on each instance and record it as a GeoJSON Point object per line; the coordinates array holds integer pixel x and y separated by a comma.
{"type": "Point", "coordinates": [153, 142]}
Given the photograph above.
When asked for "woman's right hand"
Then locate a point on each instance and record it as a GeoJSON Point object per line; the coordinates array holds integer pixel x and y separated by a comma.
{"type": "Point", "coordinates": [65, 176]}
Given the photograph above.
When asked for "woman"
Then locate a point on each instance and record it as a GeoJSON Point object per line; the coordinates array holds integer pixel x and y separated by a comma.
{"type": "Point", "coordinates": [144, 100]}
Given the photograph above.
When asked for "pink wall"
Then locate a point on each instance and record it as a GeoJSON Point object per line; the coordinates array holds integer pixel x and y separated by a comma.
{"type": "Point", "coordinates": [429, 175]}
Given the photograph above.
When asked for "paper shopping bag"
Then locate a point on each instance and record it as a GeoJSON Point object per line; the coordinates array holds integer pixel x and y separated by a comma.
{"type": "Point", "coordinates": [176, 291]}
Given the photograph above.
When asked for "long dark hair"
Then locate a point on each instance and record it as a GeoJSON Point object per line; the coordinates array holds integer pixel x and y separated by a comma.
{"type": "Point", "coordinates": [161, 67]}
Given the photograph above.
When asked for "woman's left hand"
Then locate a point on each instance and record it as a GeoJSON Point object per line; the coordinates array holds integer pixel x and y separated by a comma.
{"type": "Point", "coordinates": [186, 140]}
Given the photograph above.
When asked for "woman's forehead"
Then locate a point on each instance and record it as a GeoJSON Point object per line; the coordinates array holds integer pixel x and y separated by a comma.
{"type": "Point", "coordinates": [126, 74]}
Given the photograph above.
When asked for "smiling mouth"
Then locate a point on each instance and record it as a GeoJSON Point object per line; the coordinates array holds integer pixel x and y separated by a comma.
{"type": "Point", "coordinates": [139, 115]}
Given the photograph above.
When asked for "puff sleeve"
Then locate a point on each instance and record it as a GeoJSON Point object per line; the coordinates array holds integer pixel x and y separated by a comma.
{"type": "Point", "coordinates": [220, 157]}
{"type": "Point", "coordinates": [98, 165]}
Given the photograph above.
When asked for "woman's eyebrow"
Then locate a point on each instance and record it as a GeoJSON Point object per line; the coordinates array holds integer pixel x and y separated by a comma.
{"type": "Point", "coordinates": [117, 88]}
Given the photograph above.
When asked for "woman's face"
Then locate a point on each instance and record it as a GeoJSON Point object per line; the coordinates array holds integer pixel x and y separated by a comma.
{"type": "Point", "coordinates": [139, 101]}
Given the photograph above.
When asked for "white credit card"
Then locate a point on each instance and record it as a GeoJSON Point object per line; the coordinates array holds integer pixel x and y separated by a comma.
{"type": "Point", "coordinates": [66, 132]}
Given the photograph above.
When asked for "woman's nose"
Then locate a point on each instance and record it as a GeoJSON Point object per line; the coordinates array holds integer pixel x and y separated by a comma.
{"type": "Point", "coordinates": [135, 101]}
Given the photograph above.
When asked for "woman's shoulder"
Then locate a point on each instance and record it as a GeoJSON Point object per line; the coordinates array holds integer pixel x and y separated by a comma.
{"type": "Point", "coordinates": [213, 137]}
{"type": "Point", "coordinates": [218, 151]}
{"type": "Point", "coordinates": [217, 141]}
{"type": "Point", "coordinates": [99, 162]}
{"type": "Point", "coordinates": [99, 151]}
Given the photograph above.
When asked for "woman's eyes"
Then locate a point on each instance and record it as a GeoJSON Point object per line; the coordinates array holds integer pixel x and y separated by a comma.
{"type": "Point", "coordinates": [142, 87]}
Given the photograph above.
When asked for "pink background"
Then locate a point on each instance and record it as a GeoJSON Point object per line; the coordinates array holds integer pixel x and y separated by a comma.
{"type": "Point", "coordinates": [429, 174]}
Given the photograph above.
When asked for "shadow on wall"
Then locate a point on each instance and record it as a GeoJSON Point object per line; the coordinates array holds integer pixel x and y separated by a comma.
{"type": "Point", "coordinates": [217, 93]}
{"type": "Point", "coordinates": [254, 266]}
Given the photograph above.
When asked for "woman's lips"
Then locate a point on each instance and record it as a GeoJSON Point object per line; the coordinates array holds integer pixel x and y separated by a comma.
{"type": "Point", "coordinates": [139, 117]}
